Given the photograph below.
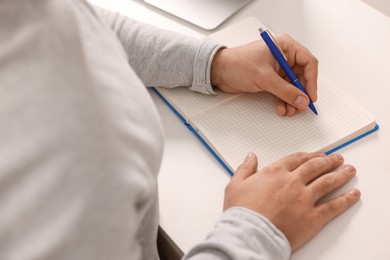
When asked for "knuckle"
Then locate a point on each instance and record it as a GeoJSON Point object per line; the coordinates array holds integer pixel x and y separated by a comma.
{"type": "Point", "coordinates": [334, 205]}
{"type": "Point", "coordinates": [318, 219]}
{"type": "Point", "coordinates": [330, 181]}
{"type": "Point", "coordinates": [313, 165]}
{"type": "Point", "coordinates": [316, 214]}
{"type": "Point", "coordinates": [326, 184]}
{"type": "Point", "coordinates": [274, 168]}
{"type": "Point", "coordinates": [300, 155]}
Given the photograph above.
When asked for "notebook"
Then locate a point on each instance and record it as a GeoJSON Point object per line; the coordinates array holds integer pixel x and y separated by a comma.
{"type": "Point", "coordinates": [232, 125]}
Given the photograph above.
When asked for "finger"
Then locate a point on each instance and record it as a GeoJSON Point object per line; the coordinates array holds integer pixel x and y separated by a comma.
{"type": "Point", "coordinates": [293, 161]}
{"type": "Point", "coordinates": [330, 182]}
{"type": "Point", "coordinates": [281, 107]}
{"type": "Point", "coordinates": [286, 91]}
{"type": "Point", "coordinates": [297, 54]}
{"type": "Point", "coordinates": [334, 207]}
{"type": "Point", "coordinates": [290, 110]}
{"type": "Point", "coordinates": [247, 168]}
{"type": "Point", "coordinates": [305, 59]}
{"type": "Point", "coordinates": [316, 167]}
{"type": "Point", "coordinates": [311, 76]}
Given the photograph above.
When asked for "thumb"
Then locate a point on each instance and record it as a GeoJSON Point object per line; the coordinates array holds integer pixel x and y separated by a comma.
{"type": "Point", "coordinates": [247, 168]}
{"type": "Point", "coordinates": [287, 92]}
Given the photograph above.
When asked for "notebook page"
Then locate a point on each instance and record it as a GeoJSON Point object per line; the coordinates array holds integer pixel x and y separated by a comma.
{"type": "Point", "coordinates": [190, 103]}
{"type": "Point", "coordinates": [249, 123]}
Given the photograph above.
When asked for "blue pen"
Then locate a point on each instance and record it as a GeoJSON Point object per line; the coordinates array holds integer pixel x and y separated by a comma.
{"type": "Point", "coordinates": [282, 60]}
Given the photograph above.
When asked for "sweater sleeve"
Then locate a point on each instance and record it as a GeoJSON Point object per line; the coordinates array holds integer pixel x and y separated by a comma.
{"type": "Point", "coordinates": [163, 58]}
{"type": "Point", "coordinates": [242, 234]}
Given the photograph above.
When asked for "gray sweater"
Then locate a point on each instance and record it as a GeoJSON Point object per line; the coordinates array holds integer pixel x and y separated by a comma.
{"type": "Point", "coordinates": [81, 142]}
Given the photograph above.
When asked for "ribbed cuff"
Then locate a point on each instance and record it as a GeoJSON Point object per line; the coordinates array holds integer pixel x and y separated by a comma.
{"type": "Point", "coordinates": [202, 67]}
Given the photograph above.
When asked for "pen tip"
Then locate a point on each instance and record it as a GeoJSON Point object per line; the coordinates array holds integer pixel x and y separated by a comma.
{"type": "Point", "coordinates": [312, 108]}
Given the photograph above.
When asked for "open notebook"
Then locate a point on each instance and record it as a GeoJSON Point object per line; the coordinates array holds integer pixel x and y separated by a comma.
{"type": "Point", "coordinates": [233, 125]}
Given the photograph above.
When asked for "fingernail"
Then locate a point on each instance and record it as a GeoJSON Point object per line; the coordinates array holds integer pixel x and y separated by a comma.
{"type": "Point", "coordinates": [338, 156]}
{"type": "Point", "coordinates": [355, 192]}
{"type": "Point", "coordinates": [322, 154]}
{"type": "Point", "coordinates": [300, 101]}
{"type": "Point", "coordinates": [349, 168]}
{"type": "Point", "coordinates": [249, 156]}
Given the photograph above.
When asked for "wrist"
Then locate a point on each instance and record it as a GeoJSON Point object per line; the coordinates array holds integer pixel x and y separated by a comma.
{"type": "Point", "coordinates": [221, 71]}
{"type": "Point", "coordinates": [217, 68]}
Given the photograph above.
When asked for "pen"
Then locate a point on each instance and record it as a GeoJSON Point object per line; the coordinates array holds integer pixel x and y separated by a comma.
{"type": "Point", "coordinates": [282, 60]}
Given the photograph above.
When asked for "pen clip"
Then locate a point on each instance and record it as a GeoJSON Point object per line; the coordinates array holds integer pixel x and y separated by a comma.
{"type": "Point", "coordinates": [274, 41]}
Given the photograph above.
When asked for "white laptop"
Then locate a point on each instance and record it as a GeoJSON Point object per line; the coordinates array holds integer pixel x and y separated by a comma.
{"type": "Point", "coordinates": [207, 14]}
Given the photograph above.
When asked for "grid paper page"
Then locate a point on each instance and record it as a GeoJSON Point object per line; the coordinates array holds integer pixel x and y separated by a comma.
{"type": "Point", "coordinates": [249, 123]}
{"type": "Point", "coordinates": [189, 103]}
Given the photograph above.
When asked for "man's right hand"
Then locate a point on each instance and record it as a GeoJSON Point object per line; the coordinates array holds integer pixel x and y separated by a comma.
{"type": "Point", "coordinates": [252, 68]}
{"type": "Point", "coordinates": [288, 191]}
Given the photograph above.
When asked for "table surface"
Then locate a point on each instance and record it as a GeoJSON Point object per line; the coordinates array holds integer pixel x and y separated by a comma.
{"type": "Point", "coordinates": [351, 39]}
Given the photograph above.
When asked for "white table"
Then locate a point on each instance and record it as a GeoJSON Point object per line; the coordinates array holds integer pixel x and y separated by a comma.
{"type": "Point", "coordinates": [351, 39]}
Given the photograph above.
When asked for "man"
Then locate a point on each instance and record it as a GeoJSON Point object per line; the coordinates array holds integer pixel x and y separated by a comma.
{"type": "Point", "coordinates": [82, 142]}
